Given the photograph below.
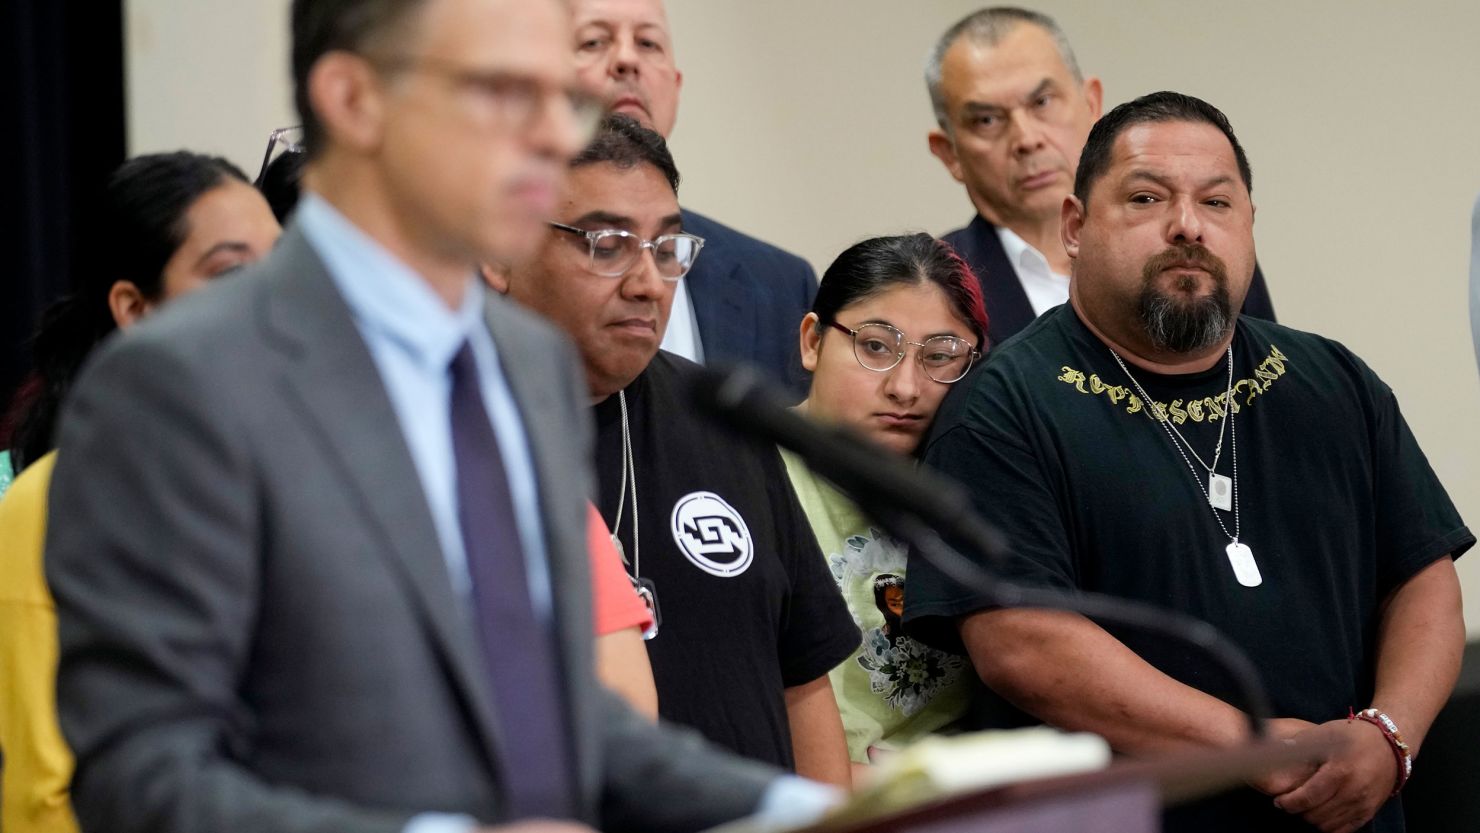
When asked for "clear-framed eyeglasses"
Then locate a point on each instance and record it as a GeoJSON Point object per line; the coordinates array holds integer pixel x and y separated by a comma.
{"type": "Point", "coordinates": [280, 141]}
{"type": "Point", "coordinates": [881, 347]}
{"type": "Point", "coordinates": [613, 251]}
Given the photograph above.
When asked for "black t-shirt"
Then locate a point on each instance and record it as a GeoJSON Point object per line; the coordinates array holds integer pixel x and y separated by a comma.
{"type": "Point", "coordinates": [748, 607]}
{"type": "Point", "coordinates": [1335, 498]}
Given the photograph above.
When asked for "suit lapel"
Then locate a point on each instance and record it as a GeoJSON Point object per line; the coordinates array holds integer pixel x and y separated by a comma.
{"type": "Point", "coordinates": [721, 309]}
{"type": "Point", "coordinates": [1008, 308]}
{"type": "Point", "coordinates": [335, 380]}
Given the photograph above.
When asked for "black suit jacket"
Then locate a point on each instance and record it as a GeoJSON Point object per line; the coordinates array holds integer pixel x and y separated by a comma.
{"type": "Point", "coordinates": [749, 298]}
{"type": "Point", "coordinates": [1008, 310]}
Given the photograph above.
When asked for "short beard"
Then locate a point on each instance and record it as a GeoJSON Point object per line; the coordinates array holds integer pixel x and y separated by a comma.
{"type": "Point", "coordinates": [1177, 325]}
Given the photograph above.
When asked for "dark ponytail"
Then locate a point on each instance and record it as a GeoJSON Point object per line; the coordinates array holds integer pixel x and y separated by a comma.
{"type": "Point", "coordinates": [140, 224]}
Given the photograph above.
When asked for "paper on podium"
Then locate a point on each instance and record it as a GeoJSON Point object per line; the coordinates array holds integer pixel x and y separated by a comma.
{"type": "Point", "coordinates": [940, 767]}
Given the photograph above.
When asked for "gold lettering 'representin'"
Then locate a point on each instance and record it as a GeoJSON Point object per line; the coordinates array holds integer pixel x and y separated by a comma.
{"type": "Point", "coordinates": [1206, 409]}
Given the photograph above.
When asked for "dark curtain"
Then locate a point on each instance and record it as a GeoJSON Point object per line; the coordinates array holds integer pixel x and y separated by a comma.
{"type": "Point", "coordinates": [61, 133]}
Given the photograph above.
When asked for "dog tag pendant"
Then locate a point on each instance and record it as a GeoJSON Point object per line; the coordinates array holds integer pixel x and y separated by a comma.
{"type": "Point", "coordinates": [1220, 492]}
{"type": "Point", "coordinates": [1244, 567]}
{"type": "Point", "coordinates": [648, 593]}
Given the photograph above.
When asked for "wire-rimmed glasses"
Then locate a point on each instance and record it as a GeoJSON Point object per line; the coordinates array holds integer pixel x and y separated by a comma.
{"type": "Point", "coordinates": [880, 347]}
{"type": "Point", "coordinates": [613, 251]}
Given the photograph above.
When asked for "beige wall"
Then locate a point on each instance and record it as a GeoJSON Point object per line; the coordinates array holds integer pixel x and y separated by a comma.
{"type": "Point", "coordinates": [208, 75]}
{"type": "Point", "coordinates": [803, 121]}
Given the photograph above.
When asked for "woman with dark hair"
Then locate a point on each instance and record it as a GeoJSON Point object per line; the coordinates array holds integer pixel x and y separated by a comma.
{"type": "Point", "coordinates": [170, 223]}
{"type": "Point", "coordinates": [896, 322]}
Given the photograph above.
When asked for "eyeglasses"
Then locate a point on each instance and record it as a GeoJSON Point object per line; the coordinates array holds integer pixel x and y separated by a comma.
{"type": "Point", "coordinates": [880, 347]}
{"type": "Point", "coordinates": [288, 139]}
{"type": "Point", "coordinates": [613, 251]}
{"type": "Point", "coordinates": [517, 100]}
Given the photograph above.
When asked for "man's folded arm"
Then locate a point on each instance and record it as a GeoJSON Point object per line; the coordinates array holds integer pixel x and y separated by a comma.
{"type": "Point", "coordinates": [1069, 672]}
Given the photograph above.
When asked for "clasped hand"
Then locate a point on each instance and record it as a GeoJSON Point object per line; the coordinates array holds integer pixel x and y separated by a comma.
{"type": "Point", "coordinates": [1344, 787]}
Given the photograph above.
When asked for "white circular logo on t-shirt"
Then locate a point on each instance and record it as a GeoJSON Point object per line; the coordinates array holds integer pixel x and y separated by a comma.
{"type": "Point", "coordinates": [711, 534]}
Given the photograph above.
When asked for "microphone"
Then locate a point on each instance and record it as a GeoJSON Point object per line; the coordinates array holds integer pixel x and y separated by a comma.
{"type": "Point", "coordinates": [925, 509]}
{"type": "Point", "coordinates": [873, 478]}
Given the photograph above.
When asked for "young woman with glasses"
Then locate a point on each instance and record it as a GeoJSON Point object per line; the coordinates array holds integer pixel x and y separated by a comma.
{"type": "Point", "coordinates": [896, 322]}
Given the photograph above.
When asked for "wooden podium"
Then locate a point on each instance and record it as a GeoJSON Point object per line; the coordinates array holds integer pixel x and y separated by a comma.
{"type": "Point", "coordinates": [1126, 797]}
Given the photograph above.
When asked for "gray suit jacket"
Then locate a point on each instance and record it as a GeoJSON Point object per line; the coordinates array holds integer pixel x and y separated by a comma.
{"type": "Point", "coordinates": [258, 632]}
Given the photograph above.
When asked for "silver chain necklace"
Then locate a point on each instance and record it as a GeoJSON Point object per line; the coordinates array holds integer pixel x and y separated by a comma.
{"type": "Point", "coordinates": [629, 477]}
{"type": "Point", "coordinates": [1221, 492]}
{"type": "Point", "coordinates": [643, 588]}
{"type": "Point", "coordinates": [1222, 428]}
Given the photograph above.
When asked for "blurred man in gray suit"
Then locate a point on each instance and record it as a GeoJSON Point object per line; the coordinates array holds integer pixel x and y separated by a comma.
{"type": "Point", "coordinates": [318, 536]}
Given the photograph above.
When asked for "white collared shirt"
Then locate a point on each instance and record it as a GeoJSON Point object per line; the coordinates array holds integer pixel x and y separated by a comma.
{"type": "Point", "coordinates": [682, 335]}
{"type": "Point", "coordinates": [1045, 288]}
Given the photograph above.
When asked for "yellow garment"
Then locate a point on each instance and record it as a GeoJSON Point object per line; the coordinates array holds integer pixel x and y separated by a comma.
{"type": "Point", "coordinates": [38, 764]}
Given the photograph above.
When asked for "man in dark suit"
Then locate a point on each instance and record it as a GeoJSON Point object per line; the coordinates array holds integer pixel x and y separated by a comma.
{"type": "Point", "coordinates": [1013, 111]}
{"type": "Point", "coordinates": [318, 535]}
{"type": "Point", "coordinates": [744, 298]}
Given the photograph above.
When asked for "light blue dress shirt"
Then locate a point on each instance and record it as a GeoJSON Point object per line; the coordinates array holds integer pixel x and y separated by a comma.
{"type": "Point", "coordinates": [412, 336]}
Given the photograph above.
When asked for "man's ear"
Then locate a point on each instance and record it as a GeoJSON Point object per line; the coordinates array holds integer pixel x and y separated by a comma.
{"type": "Point", "coordinates": [810, 336]}
{"type": "Point", "coordinates": [1094, 93]}
{"type": "Point", "coordinates": [495, 276]}
{"type": "Point", "coordinates": [127, 304]}
{"type": "Point", "coordinates": [1071, 223]}
{"type": "Point", "coordinates": [945, 150]}
{"type": "Point", "coordinates": [348, 97]}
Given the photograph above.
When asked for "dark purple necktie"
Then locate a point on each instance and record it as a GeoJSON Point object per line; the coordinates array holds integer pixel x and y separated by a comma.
{"type": "Point", "coordinates": [518, 648]}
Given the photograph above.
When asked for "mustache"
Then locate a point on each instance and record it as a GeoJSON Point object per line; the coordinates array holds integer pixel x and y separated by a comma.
{"type": "Point", "coordinates": [1186, 254]}
{"type": "Point", "coordinates": [1181, 325]}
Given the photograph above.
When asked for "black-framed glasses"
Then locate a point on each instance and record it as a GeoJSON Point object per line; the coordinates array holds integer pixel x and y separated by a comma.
{"type": "Point", "coordinates": [613, 251]}
{"type": "Point", "coordinates": [518, 100]}
{"type": "Point", "coordinates": [280, 141]}
{"type": "Point", "coordinates": [881, 347]}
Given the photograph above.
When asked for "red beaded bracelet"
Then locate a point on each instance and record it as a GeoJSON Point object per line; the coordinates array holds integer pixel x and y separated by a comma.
{"type": "Point", "coordinates": [1394, 738]}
